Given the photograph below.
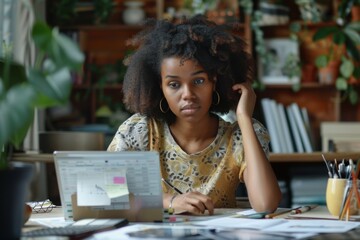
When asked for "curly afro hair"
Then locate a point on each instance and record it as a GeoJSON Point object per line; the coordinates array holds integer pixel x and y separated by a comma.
{"type": "Point", "coordinates": [216, 48]}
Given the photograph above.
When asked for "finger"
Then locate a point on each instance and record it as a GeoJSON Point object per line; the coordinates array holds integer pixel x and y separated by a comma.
{"type": "Point", "coordinates": [203, 203]}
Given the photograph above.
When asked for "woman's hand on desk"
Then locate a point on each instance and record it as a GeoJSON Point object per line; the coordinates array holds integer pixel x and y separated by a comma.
{"type": "Point", "coordinates": [193, 202]}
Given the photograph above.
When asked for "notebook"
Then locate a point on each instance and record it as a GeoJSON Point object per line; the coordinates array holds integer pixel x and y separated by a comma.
{"type": "Point", "coordinates": [101, 184]}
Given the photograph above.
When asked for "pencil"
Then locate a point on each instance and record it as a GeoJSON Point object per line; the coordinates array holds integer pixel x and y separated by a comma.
{"type": "Point", "coordinates": [171, 186]}
{"type": "Point", "coordinates": [302, 209]}
{"type": "Point", "coordinates": [275, 214]}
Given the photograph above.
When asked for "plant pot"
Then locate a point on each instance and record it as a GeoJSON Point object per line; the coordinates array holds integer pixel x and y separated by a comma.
{"type": "Point", "coordinates": [355, 13]}
{"type": "Point", "coordinates": [308, 73]}
{"type": "Point", "coordinates": [329, 74]}
{"type": "Point", "coordinates": [310, 50]}
{"type": "Point", "coordinates": [14, 183]}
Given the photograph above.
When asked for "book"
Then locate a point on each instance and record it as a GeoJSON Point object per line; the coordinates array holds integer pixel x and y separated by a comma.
{"type": "Point", "coordinates": [294, 130]}
{"type": "Point", "coordinates": [305, 139]}
{"type": "Point", "coordinates": [286, 129]}
{"type": "Point", "coordinates": [305, 115]}
{"type": "Point", "coordinates": [270, 124]}
{"type": "Point", "coordinates": [278, 125]}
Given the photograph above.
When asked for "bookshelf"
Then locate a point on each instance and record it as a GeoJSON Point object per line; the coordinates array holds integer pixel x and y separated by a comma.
{"type": "Point", "coordinates": [106, 43]}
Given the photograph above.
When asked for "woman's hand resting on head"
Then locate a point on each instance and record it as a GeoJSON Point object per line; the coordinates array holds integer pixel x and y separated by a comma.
{"type": "Point", "coordinates": [193, 202]}
{"type": "Point", "coordinates": [247, 99]}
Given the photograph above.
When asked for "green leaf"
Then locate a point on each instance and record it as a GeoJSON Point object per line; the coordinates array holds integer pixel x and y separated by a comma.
{"type": "Point", "coordinates": [354, 26]}
{"type": "Point", "coordinates": [69, 53]}
{"type": "Point", "coordinates": [42, 36]}
{"type": "Point", "coordinates": [296, 87]}
{"type": "Point", "coordinates": [324, 32]}
{"type": "Point", "coordinates": [353, 35]}
{"type": "Point", "coordinates": [55, 86]}
{"type": "Point", "coordinates": [347, 68]}
{"type": "Point", "coordinates": [295, 27]}
{"type": "Point", "coordinates": [17, 107]}
{"type": "Point", "coordinates": [356, 73]}
{"type": "Point", "coordinates": [352, 49]}
{"type": "Point", "coordinates": [353, 96]}
{"type": "Point", "coordinates": [321, 61]}
{"type": "Point", "coordinates": [339, 38]}
{"type": "Point", "coordinates": [341, 83]}
{"type": "Point", "coordinates": [16, 74]}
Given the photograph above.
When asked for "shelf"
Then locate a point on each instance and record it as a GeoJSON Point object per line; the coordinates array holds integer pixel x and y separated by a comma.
{"type": "Point", "coordinates": [105, 27]}
{"type": "Point", "coordinates": [311, 157]}
{"type": "Point", "coordinates": [314, 85]}
{"type": "Point", "coordinates": [283, 31]}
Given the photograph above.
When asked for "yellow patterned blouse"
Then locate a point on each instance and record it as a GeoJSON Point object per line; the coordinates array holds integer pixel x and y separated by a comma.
{"type": "Point", "coordinates": [215, 171]}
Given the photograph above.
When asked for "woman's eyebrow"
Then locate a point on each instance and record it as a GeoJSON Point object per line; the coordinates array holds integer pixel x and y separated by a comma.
{"type": "Point", "coordinates": [192, 74]}
{"type": "Point", "coordinates": [171, 76]}
{"type": "Point", "coordinates": [198, 72]}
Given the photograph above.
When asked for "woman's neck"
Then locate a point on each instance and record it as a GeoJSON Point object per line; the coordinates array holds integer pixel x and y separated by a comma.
{"type": "Point", "coordinates": [194, 137]}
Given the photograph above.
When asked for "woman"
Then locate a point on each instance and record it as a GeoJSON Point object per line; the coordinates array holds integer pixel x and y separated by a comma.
{"type": "Point", "coordinates": [180, 76]}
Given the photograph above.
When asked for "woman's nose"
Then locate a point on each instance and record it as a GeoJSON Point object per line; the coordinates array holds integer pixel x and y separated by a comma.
{"type": "Point", "coordinates": [188, 92]}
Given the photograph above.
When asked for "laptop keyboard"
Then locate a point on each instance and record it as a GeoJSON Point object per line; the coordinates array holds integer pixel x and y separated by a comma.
{"type": "Point", "coordinates": [75, 231]}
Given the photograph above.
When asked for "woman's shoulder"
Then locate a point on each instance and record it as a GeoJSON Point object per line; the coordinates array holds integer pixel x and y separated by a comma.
{"type": "Point", "coordinates": [139, 123]}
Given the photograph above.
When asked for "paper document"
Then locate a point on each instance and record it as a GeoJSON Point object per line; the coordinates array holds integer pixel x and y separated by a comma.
{"type": "Point", "coordinates": [233, 222]}
{"type": "Point", "coordinates": [313, 226]}
{"type": "Point", "coordinates": [101, 189]}
{"type": "Point", "coordinates": [282, 225]}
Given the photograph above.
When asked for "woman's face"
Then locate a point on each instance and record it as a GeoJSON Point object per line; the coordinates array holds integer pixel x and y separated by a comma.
{"type": "Point", "coordinates": [187, 88]}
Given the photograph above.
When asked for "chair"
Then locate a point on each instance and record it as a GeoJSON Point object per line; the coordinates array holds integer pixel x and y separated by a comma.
{"type": "Point", "coordinates": [66, 141]}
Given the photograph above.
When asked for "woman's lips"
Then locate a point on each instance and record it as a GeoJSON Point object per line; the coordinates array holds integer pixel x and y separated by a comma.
{"type": "Point", "coordinates": [189, 109]}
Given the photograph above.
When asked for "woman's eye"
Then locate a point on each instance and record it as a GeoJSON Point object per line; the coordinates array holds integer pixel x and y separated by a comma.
{"type": "Point", "coordinates": [199, 81]}
{"type": "Point", "coordinates": [173, 84]}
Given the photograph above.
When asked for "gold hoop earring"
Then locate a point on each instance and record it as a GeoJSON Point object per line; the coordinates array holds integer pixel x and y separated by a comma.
{"type": "Point", "coordinates": [218, 98]}
{"type": "Point", "coordinates": [161, 109]}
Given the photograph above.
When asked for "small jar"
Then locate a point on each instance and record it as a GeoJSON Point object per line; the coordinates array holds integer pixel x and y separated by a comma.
{"type": "Point", "coordinates": [134, 13]}
{"type": "Point", "coordinates": [354, 208]}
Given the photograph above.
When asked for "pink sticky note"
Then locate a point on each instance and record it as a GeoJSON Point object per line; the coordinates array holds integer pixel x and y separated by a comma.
{"type": "Point", "coordinates": [118, 180]}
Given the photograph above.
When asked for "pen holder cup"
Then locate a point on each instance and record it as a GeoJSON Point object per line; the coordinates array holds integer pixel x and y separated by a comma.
{"type": "Point", "coordinates": [335, 191]}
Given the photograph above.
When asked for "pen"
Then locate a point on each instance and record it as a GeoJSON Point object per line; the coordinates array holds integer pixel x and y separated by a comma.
{"type": "Point", "coordinates": [302, 209]}
{"type": "Point", "coordinates": [275, 214]}
{"type": "Point", "coordinates": [327, 166]}
{"type": "Point", "coordinates": [171, 186]}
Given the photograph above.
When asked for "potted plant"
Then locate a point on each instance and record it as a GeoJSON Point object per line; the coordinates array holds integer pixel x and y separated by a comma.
{"type": "Point", "coordinates": [22, 89]}
{"type": "Point", "coordinates": [345, 39]}
{"type": "Point", "coordinates": [355, 11]}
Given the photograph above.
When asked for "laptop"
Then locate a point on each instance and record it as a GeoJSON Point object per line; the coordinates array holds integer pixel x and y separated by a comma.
{"type": "Point", "coordinates": [102, 184]}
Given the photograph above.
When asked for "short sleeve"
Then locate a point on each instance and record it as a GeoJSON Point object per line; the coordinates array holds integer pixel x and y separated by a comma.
{"type": "Point", "coordinates": [132, 135]}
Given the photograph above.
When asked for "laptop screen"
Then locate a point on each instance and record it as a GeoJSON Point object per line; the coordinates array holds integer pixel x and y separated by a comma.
{"type": "Point", "coordinates": [106, 184]}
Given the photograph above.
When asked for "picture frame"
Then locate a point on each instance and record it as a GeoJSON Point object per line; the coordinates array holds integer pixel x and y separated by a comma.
{"type": "Point", "coordinates": [284, 65]}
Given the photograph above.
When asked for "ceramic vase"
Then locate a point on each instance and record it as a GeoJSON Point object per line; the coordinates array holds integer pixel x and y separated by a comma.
{"type": "Point", "coordinates": [133, 14]}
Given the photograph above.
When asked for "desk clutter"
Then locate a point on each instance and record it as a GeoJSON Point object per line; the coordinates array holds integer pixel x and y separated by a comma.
{"type": "Point", "coordinates": [302, 222]}
{"type": "Point", "coordinates": [79, 229]}
{"type": "Point", "coordinates": [343, 186]}
{"type": "Point", "coordinates": [42, 206]}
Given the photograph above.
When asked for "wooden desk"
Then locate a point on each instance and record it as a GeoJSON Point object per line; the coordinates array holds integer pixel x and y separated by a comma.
{"type": "Point", "coordinates": [31, 224]}
{"type": "Point", "coordinates": [311, 157]}
{"type": "Point", "coordinates": [57, 212]}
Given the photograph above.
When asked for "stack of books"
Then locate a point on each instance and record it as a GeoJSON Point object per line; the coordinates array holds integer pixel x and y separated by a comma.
{"type": "Point", "coordinates": [288, 126]}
